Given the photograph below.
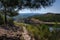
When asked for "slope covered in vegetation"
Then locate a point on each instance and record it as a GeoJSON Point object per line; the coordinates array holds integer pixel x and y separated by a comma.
{"type": "Point", "coordinates": [40, 32]}
{"type": "Point", "coordinates": [49, 17]}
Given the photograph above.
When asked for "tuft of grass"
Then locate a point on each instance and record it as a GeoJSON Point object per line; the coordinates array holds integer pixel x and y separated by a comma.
{"type": "Point", "coordinates": [40, 32]}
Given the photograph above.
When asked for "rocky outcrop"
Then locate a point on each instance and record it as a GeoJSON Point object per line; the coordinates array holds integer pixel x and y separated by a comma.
{"type": "Point", "coordinates": [10, 34]}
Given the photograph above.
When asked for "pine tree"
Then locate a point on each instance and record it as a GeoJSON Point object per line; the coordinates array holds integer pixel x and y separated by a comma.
{"type": "Point", "coordinates": [9, 6]}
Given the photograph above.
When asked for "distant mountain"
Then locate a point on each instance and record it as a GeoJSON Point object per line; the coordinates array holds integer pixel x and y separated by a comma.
{"type": "Point", "coordinates": [24, 15]}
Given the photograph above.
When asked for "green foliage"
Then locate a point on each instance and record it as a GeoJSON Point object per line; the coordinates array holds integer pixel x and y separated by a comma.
{"type": "Point", "coordinates": [27, 3]}
{"type": "Point", "coordinates": [10, 21]}
{"type": "Point", "coordinates": [40, 32]}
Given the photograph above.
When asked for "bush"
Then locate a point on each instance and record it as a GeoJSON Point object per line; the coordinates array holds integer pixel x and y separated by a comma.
{"type": "Point", "coordinates": [10, 21]}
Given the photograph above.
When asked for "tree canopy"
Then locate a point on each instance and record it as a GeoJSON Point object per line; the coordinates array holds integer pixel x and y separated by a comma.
{"type": "Point", "coordinates": [27, 3]}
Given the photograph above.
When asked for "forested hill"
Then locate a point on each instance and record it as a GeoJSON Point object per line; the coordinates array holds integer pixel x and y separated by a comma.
{"type": "Point", "coordinates": [48, 17]}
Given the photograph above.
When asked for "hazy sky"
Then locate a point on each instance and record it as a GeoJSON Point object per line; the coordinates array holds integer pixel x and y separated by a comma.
{"type": "Point", "coordinates": [55, 9]}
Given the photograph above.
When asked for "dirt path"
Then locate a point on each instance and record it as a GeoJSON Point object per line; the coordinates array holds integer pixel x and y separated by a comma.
{"type": "Point", "coordinates": [26, 35]}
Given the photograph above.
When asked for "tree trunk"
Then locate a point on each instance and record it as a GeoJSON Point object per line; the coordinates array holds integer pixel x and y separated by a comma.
{"type": "Point", "coordinates": [5, 17]}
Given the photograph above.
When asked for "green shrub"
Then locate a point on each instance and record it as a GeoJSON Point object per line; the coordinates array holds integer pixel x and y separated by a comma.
{"type": "Point", "coordinates": [1, 19]}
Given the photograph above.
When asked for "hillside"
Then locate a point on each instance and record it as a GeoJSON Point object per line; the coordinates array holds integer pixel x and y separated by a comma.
{"type": "Point", "coordinates": [26, 31]}
{"type": "Point", "coordinates": [40, 32]}
{"type": "Point", "coordinates": [48, 17]}
{"type": "Point", "coordinates": [23, 31]}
